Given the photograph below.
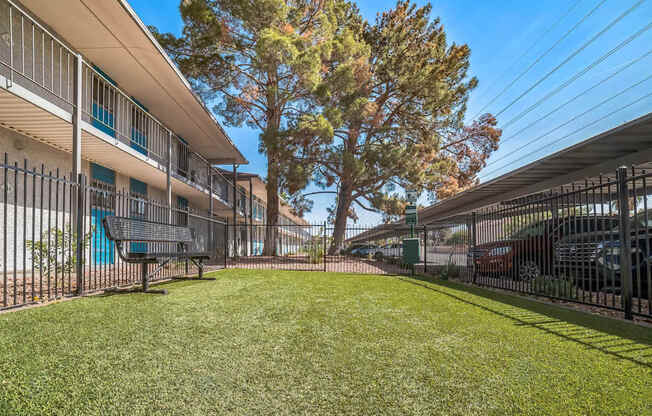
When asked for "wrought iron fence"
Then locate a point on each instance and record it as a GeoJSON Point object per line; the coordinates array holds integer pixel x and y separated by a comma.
{"type": "Point", "coordinates": [47, 220]}
{"type": "Point", "coordinates": [585, 242]}
{"type": "Point", "coordinates": [314, 248]}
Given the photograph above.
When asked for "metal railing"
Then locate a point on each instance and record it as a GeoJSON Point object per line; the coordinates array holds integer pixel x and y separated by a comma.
{"type": "Point", "coordinates": [28, 51]}
{"type": "Point", "coordinates": [48, 221]}
{"type": "Point", "coordinates": [35, 58]}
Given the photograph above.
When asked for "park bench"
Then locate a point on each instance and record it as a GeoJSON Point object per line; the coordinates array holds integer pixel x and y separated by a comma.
{"type": "Point", "coordinates": [130, 230]}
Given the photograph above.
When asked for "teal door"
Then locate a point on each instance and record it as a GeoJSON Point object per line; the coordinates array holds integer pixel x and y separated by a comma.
{"type": "Point", "coordinates": [103, 250]}
{"type": "Point", "coordinates": [102, 205]}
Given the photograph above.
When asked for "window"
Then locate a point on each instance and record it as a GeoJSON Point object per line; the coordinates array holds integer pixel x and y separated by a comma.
{"type": "Point", "coordinates": [103, 180]}
{"type": "Point", "coordinates": [139, 127]}
{"type": "Point", "coordinates": [138, 193]}
{"type": "Point", "coordinates": [104, 102]}
{"type": "Point", "coordinates": [137, 209]}
{"type": "Point", "coordinates": [182, 211]}
{"type": "Point", "coordinates": [183, 158]}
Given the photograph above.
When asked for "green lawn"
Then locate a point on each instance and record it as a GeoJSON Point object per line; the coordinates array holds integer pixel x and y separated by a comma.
{"type": "Point", "coordinates": [265, 342]}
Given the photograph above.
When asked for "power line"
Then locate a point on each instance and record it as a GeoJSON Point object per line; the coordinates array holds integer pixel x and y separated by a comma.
{"type": "Point", "coordinates": [572, 55]}
{"type": "Point", "coordinates": [621, 92]}
{"type": "Point", "coordinates": [579, 74]}
{"type": "Point", "coordinates": [530, 48]}
{"type": "Point", "coordinates": [543, 55]}
{"type": "Point", "coordinates": [594, 86]}
{"type": "Point", "coordinates": [578, 130]}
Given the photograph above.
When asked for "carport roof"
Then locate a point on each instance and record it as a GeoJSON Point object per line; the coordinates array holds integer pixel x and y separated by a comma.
{"type": "Point", "coordinates": [629, 144]}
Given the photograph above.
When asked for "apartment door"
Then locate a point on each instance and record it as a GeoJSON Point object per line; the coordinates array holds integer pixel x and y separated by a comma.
{"type": "Point", "coordinates": [102, 205]}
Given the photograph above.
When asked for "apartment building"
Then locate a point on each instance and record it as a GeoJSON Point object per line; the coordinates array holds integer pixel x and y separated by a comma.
{"type": "Point", "coordinates": [86, 89]}
{"type": "Point", "coordinates": [251, 217]}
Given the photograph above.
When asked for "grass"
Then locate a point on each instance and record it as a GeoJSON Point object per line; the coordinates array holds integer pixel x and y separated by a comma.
{"type": "Point", "coordinates": [268, 342]}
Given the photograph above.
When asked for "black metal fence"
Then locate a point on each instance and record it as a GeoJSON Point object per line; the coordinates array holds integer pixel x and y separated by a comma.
{"type": "Point", "coordinates": [588, 243]}
{"type": "Point", "coordinates": [312, 248]}
{"type": "Point", "coordinates": [47, 220]}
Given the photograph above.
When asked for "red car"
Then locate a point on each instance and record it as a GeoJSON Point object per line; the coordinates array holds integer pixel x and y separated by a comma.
{"type": "Point", "coordinates": [531, 251]}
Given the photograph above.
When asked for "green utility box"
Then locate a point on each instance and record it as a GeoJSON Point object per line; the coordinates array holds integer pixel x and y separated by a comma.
{"type": "Point", "coordinates": [411, 251]}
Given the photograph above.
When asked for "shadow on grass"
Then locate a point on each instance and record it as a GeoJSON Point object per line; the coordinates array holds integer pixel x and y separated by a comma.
{"type": "Point", "coordinates": [619, 339]}
{"type": "Point", "coordinates": [165, 284]}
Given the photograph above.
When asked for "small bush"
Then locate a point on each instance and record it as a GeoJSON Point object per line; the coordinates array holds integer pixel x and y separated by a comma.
{"type": "Point", "coordinates": [551, 286]}
{"type": "Point", "coordinates": [316, 254]}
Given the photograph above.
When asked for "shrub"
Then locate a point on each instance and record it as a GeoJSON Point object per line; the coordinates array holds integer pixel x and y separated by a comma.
{"type": "Point", "coordinates": [57, 249]}
{"type": "Point", "coordinates": [316, 254]}
{"type": "Point", "coordinates": [552, 286]}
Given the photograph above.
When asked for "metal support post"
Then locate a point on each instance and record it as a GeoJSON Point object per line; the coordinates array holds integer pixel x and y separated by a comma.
{"type": "Point", "coordinates": [77, 118]}
{"type": "Point", "coordinates": [168, 188]}
{"type": "Point", "coordinates": [79, 238]}
{"type": "Point", "coordinates": [474, 242]}
{"type": "Point", "coordinates": [235, 208]}
{"type": "Point", "coordinates": [251, 217]}
{"type": "Point", "coordinates": [425, 249]}
{"type": "Point", "coordinates": [625, 243]}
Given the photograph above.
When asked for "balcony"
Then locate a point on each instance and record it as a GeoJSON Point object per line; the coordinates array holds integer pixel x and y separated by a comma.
{"type": "Point", "coordinates": [37, 82]}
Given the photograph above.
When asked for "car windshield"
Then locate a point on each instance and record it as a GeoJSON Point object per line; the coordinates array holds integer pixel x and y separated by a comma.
{"type": "Point", "coordinates": [587, 224]}
{"type": "Point", "coordinates": [532, 230]}
{"type": "Point", "coordinates": [637, 222]}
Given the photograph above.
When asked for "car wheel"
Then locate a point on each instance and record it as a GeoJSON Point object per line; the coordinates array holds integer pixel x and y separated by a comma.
{"type": "Point", "coordinates": [528, 270]}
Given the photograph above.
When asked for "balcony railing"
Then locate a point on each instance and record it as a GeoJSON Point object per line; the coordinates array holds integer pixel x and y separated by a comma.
{"type": "Point", "coordinates": [33, 57]}
{"type": "Point", "coordinates": [29, 52]}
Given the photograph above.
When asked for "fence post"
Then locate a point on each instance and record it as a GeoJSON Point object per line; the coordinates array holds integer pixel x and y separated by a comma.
{"type": "Point", "coordinates": [474, 242]}
{"type": "Point", "coordinates": [79, 238]}
{"type": "Point", "coordinates": [425, 250]}
{"type": "Point", "coordinates": [324, 253]}
{"type": "Point", "coordinates": [226, 241]}
{"type": "Point", "coordinates": [625, 243]}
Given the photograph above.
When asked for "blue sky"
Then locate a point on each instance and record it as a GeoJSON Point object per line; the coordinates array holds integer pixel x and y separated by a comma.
{"type": "Point", "coordinates": [499, 33]}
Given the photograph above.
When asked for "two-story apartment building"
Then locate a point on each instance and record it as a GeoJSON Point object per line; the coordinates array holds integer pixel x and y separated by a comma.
{"type": "Point", "coordinates": [251, 214]}
{"type": "Point", "coordinates": [86, 89]}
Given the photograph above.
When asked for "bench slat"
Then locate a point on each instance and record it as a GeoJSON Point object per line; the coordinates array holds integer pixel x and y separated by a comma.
{"type": "Point", "coordinates": [130, 229]}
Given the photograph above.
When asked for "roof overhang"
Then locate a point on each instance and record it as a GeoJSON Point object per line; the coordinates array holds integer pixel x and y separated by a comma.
{"type": "Point", "coordinates": [112, 36]}
{"type": "Point", "coordinates": [594, 159]}
{"type": "Point", "coordinates": [629, 144]}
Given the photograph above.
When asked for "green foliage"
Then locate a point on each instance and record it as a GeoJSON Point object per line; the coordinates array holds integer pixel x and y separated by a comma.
{"type": "Point", "coordinates": [396, 97]}
{"type": "Point", "coordinates": [261, 61]}
{"type": "Point", "coordinates": [316, 253]}
{"type": "Point", "coordinates": [57, 249]}
{"type": "Point", "coordinates": [552, 286]}
{"type": "Point", "coordinates": [457, 238]}
{"type": "Point", "coordinates": [451, 270]}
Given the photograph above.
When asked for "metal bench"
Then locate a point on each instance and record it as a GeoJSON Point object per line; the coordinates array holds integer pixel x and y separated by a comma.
{"type": "Point", "coordinates": [127, 230]}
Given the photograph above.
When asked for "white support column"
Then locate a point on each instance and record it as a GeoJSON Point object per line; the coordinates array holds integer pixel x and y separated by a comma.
{"type": "Point", "coordinates": [169, 178]}
{"type": "Point", "coordinates": [76, 119]}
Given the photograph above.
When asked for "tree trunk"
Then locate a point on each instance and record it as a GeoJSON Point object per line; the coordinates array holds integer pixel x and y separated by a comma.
{"type": "Point", "coordinates": [344, 200]}
{"type": "Point", "coordinates": [271, 231]}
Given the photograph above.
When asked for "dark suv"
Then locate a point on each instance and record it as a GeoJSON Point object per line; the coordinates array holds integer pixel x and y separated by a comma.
{"type": "Point", "coordinates": [604, 270]}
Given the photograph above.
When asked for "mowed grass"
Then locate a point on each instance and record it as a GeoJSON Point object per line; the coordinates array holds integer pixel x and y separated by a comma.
{"type": "Point", "coordinates": [271, 342]}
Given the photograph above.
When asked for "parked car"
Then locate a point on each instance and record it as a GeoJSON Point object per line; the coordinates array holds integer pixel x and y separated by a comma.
{"type": "Point", "coordinates": [530, 251]}
{"type": "Point", "coordinates": [364, 251]}
{"type": "Point", "coordinates": [349, 250]}
{"type": "Point", "coordinates": [389, 250]}
{"type": "Point", "coordinates": [603, 270]}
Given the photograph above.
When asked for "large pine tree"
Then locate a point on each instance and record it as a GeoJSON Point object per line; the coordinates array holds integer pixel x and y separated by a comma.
{"type": "Point", "coordinates": [397, 111]}
{"type": "Point", "coordinates": [261, 61]}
